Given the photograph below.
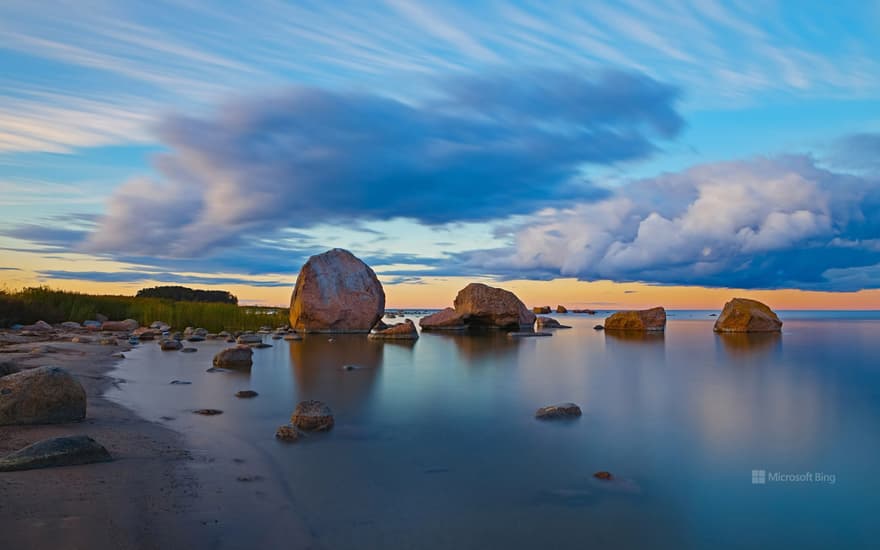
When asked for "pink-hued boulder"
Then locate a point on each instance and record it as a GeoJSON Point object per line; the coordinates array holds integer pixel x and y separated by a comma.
{"type": "Point", "coordinates": [336, 292]}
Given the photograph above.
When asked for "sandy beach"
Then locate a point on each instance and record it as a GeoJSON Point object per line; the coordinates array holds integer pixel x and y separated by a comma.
{"type": "Point", "coordinates": [154, 494]}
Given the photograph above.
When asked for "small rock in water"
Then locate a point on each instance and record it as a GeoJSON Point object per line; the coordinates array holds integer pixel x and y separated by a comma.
{"type": "Point", "coordinates": [351, 367]}
{"type": "Point", "coordinates": [603, 475]}
{"type": "Point", "coordinates": [170, 345]}
{"type": "Point", "coordinates": [118, 355]}
{"type": "Point", "coordinates": [180, 383]}
{"type": "Point", "coordinates": [260, 345]}
{"type": "Point", "coordinates": [81, 340]}
{"type": "Point", "coordinates": [292, 337]}
{"type": "Point", "coordinates": [527, 334]}
{"type": "Point", "coordinates": [189, 350]}
{"type": "Point", "coordinates": [246, 394]}
{"type": "Point", "coordinates": [331, 340]}
{"type": "Point", "coordinates": [215, 369]}
{"type": "Point", "coordinates": [312, 416]}
{"type": "Point", "coordinates": [59, 451]}
{"type": "Point", "coordinates": [598, 327]}
{"type": "Point", "coordinates": [249, 478]}
{"type": "Point", "coordinates": [287, 433]}
{"type": "Point", "coordinates": [561, 410]}
{"type": "Point", "coordinates": [208, 412]}
{"type": "Point", "coordinates": [277, 337]}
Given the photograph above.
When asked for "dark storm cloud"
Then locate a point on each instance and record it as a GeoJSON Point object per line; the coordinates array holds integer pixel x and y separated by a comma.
{"type": "Point", "coordinates": [484, 148]}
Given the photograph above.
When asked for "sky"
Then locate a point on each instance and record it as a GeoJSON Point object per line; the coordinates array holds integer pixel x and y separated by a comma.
{"type": "Point", "coordinates": [593, 154]}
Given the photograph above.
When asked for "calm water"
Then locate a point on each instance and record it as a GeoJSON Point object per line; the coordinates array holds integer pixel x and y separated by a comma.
{"type": "Point", "coordinates": [436, 446]}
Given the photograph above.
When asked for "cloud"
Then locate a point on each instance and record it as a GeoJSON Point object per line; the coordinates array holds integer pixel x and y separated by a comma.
{"type": "Point", "coordinates": [134, 277]}
{"type": "Point", "coordinates": [778, 222]}
{"type": "Point", "coordinates": [857, 151]}
{"type": "Point", "coordinates": [483, 148]}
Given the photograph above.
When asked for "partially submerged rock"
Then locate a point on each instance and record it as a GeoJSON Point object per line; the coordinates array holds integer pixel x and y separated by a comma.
{"type": "Point", "coordinates": [39, 326]}
{"type": "Point", "coordinates": [312, 416]}
{"type": "Point", "coordinates": [170, 345]}
{"type": "Point", "coordinates": [561, 309]}
{"type": "Point", "coordinates": [238, 357]}
{"type": "Point", "coordinates": [81, 340]}
{"type": "Point", "coordinates": [145, 333]}
{"type": "Point", "coordinates": [541, 310]}
{"type": "Point", "coordinates": [745, 315]}
{"type": "Point", "coordinates": [653, 319]}
{"type": "Point", "coordinates": [249, 338]}
{"type": "Point", "coordinates": [483, 305]}
{"type": "Point", "coordinates": [287, 433]}
{"type": "Point", "coordinates": [127, 326]}
{"type": "Point", "coordinates": [603, 475]}
{"type": "Point", "coordinates": [447, 319]}
{"type": "Point", "coordinates": [246, 394]}
{"type": "Point", "coordinates": [549, 322]}
{"type": "Point", "coordinates": [336, 292]}
{"type": "Point", "coordinates": [208, 412]}
{"type": "Point", "coordinates": [401, 331]}
{"type": "Point", "coordinates": [58, 451]}
{"type": "Point", "coordinates": [71, 325]}
{"type": "Point", "coordinates": [189, 350]}
{"type": "Point", "coordinates": [527, 334]}
{"type": "Point", "coordinates": [292, 337]}
{"type": "Point", "coordinates": [561, 410]}
{"type": "Point", "coordinates": [45, 395]}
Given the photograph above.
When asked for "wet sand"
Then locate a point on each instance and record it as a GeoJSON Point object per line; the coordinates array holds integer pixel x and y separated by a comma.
{"type": "Point", "coordinates": [156, 493]}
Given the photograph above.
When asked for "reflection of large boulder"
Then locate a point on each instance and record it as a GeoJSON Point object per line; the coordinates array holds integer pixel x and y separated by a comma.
{"type": "Point", "coordinates": [744, 315]}
{"type": "Point", "coordinates": [653, 319]}
{"type": "Point", "coordinates": [336, 292]}
{"type": "Point", "coordinates": [45, 395]}
{"type": "Point", "coordinates": [483, 305]}
{"type": "Point", "coordinates": [447, 319]}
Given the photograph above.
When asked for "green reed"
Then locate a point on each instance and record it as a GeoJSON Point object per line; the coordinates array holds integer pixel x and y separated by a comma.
{"type": "Point", "coordinates": [28, 305]}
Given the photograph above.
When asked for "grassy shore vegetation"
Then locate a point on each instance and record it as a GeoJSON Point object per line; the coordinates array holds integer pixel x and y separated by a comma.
{"type": "Point", "coordinates": [55, 306]}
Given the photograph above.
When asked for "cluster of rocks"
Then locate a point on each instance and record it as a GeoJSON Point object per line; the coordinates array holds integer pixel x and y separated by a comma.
{"type": "Point", "coordinates": [309, 416]}
{"type": "Point", "coordinates": [45, 395]}
{"type": "Point", "coordinates": [480, 305]}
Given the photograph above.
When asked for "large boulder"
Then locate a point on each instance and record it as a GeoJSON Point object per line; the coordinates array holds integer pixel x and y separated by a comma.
{"type": "Point", "coordinates": [653, 319]}
{"type": "Point", "coordinates": [401, 331]}
{"type": "Point", "coordinates": [312, 416]}
{"type": "Point", "coordinates": [336, 292]}
{"type": "Point", "coordinates": [447, 319]}
{"type": "Point", "coordinates": [744, 315]}
{"type": "Point", "coordinates": [45, 395]}
{"type": "Point", "coordinates": [483, 305]}
{"type": "Point", "coordinates": [126, 326]}
{"type": "Point", "coordinates": [239, 357]}
{"type": "Point", "coordinates": [58, 451]}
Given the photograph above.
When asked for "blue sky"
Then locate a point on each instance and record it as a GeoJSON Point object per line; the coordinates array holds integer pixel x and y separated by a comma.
{"type": "Point", "coordinates": [678, 143]}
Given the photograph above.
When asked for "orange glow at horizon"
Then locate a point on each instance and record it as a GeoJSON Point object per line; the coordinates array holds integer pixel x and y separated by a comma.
{"type": "Point", "coordinates": [440, 293]}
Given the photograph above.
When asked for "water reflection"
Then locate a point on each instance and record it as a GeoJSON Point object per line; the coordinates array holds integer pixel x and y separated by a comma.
{"type": "Point", "coordinates": [749, 344]}
{"type": "Point", "coordinates": [318, 363]}
{"type": "Point", "coordinates": [652, 339]}
{"type": "Point", "coordinates": [479, 345]}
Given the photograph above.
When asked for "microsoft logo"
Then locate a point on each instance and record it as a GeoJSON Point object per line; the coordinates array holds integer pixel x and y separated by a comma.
{"type": "Point", "coordinates": [759, 477]}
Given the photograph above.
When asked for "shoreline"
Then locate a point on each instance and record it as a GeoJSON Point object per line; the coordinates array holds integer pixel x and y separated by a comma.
{"type": "Point", "coordinates": [153, 494]}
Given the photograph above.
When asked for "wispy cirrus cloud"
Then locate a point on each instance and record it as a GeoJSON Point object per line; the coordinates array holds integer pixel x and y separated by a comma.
{"type": "Point", "coordinates": [123, 66]}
